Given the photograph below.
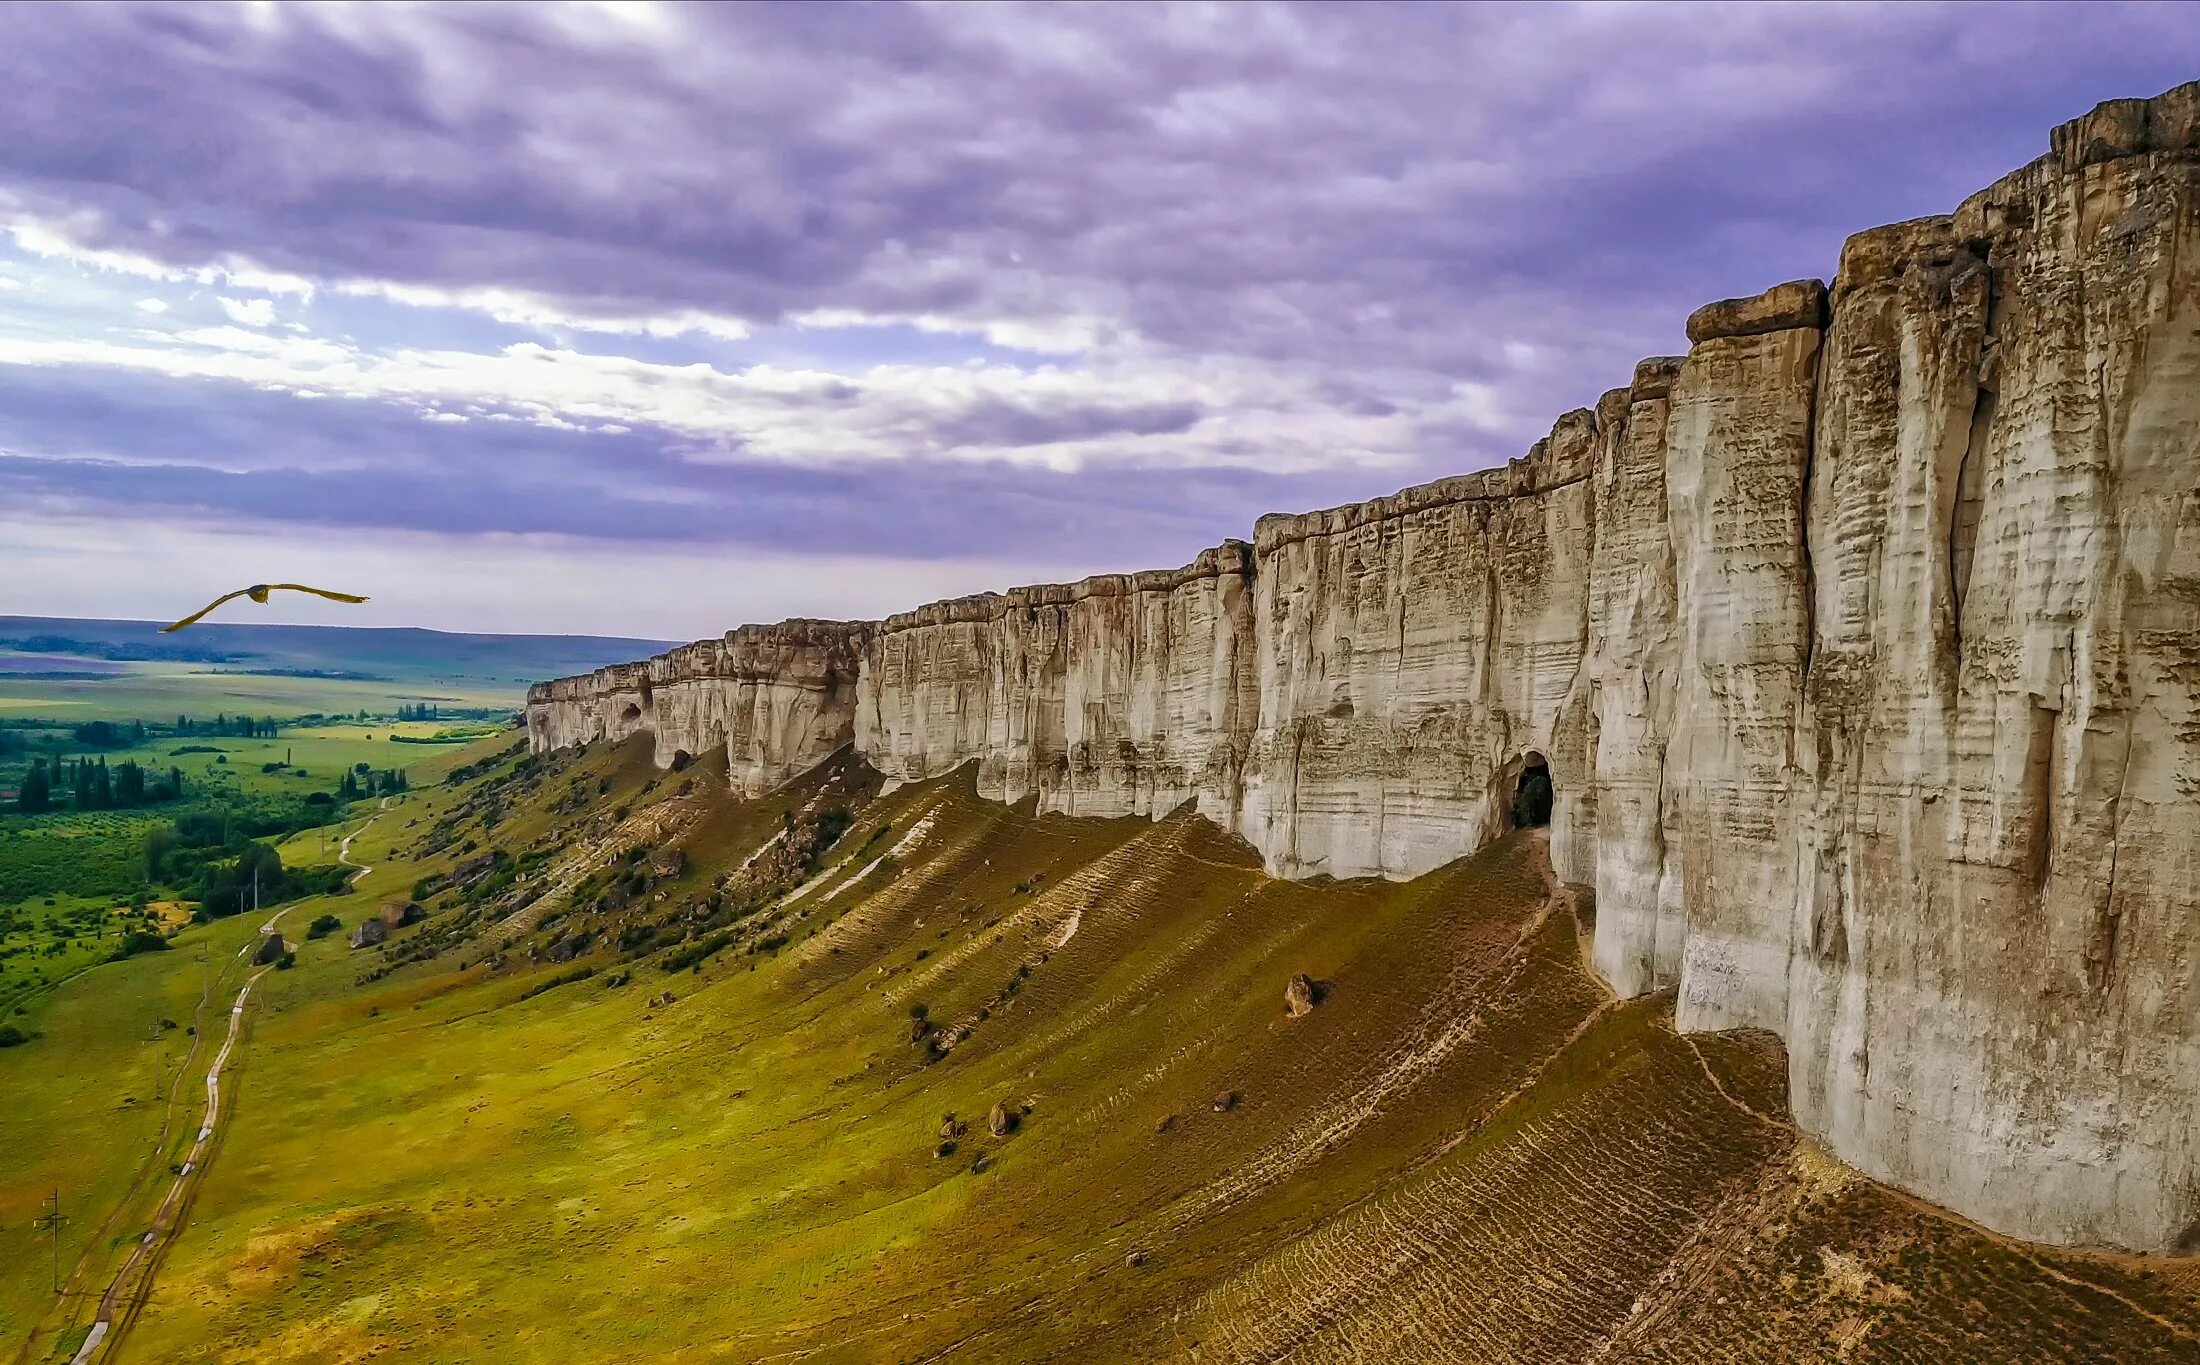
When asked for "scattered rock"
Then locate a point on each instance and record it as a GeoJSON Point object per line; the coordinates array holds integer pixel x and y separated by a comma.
{"type": "Point", "coordinates": [946, 1148]}
{"type": "Point", "coordinates": [979, 1163]}
{"type": "Point", "coordinates": [1299, 997]}
{"type": "Point", "coordinates": [952, 1127]}
{"type": "Point", "coordinates": [1225, 1102]}
{"type": "Point", "coordinates": [1001, 1122]}
{"type": "Point", "coordinates": [1168, 1122]}
{"type": "Point", "coordinates": [1135, 1259]}
{"type": "Point", "coordinates": [271, 948]}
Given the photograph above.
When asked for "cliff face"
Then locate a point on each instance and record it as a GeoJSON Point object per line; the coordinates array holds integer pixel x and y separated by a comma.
{"type": "Point", "coordinates": [1412, 653]}
{"type": "Point", "coordinates": [779, 699]}
{"type": "Point", "coordinates": [1121, 695]}
{"type": "Point", "coordinates": [1862, 646]}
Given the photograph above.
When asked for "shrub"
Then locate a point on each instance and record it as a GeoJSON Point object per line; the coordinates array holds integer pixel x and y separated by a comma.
{"type": "Point", "coordinates": [11, 1036]}
{"type": "Point", "coordinates": [561, 979]}
{"type": "Point", "coordinates": [140, 941]}
{"type": "Point", "coordinates": [694, 953]}
{"type": "Point", "coordinates": [324, 926]}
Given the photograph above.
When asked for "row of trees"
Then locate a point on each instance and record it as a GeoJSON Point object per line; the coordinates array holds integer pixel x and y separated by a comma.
{"type": "Point", "coordinates": [94, 785]}
{"type": "Point", "coordinates": [422, 711]}
{"type": "Point", "coordinates": [106, 734]}
{"type": "Point", "coordinates": [363, 781]}
{"type": "Point", "coordinates": [240, 727]}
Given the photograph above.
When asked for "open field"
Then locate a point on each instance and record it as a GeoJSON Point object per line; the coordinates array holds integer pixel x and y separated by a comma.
{"type": "Point", "coordinates": [87, 1108]}
{"type": "Point", "coordinates": [163, 691]}
{"type": "Point", "coordinates": [608, 1104]}
{"type": "Point", "coordinates": [309, 757]}
{"type": "Point", "coordinates": [498, 665]}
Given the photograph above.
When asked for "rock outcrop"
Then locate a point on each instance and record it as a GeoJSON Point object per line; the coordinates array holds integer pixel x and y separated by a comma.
{"type": "Point", "coordinates": [777, 699]}
{"type": "Point", "coordinates": [1127, 694]}
{"type": "Point", "coordinates": [1860, 649]}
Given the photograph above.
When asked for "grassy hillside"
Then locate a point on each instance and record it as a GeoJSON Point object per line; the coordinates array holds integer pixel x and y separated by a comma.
{"type": "Point", "coordinates": [663, 1075]}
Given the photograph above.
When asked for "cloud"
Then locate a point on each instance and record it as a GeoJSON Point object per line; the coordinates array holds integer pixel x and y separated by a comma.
{"type": "Point", "coordinates": [1362, 185]}
{"type": "Point", "coordinates": [250, 312]}
{"type": "Point", "coordinates": [94, 566]}
{"type": "Point", "coordinates": [1218, 412]}
{"type": "Point", "coordinates": [152, 306]}
{"type": "Point", "coordinates": [1113, 279]}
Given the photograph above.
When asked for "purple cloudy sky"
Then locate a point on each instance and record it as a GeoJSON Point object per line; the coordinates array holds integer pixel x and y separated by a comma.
{"type": "Point", "coordinates": [652, 320]}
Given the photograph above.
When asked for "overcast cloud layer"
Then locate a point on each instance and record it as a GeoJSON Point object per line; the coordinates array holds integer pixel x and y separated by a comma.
{"type": "Point", "coordinates": [652, 320]}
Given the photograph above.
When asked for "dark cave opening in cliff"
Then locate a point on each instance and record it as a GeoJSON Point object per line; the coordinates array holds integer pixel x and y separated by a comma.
{"type": "Point", "coordinates": [631, 714]}
{"type": "Point", "coordinates": [1531, 803]}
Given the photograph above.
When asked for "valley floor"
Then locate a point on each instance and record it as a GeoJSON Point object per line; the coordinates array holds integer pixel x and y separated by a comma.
{"type": "Point", "coordinates": [742, 1105]}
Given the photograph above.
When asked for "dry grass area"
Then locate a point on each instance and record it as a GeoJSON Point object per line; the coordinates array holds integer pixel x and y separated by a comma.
{"type": "Point", "coordinates": [460, 1149]}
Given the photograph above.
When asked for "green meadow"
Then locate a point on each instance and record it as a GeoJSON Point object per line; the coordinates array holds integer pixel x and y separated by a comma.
{"type": "Point", "coordinates": [73, 883]}
{"type": "Point", "coordinates": [844, 1075]}
{"type": "Point", "coordinates": [151, 691]}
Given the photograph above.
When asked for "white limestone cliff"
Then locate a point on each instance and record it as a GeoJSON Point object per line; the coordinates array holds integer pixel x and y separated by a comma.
{"type": "Point", "coordinates": [778, 699]}
{"type": "Point", "coordinates": [1862, 645]}
{"type": "Point", "coordinates": [1127, 694]}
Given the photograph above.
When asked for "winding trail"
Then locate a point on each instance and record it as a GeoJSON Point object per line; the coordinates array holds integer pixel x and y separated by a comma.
{"type": "Point", "coordinates": [133, 1283]}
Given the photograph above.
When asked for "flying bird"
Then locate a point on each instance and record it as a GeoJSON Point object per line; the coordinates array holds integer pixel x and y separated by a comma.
{"type": "Point", "coordinates": [258, 592]}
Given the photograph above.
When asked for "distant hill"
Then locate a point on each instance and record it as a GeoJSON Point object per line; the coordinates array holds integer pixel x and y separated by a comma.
{"type": "Point", "coordinates": [381, 654]}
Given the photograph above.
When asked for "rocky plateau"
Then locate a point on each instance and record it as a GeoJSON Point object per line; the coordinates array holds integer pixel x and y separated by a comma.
{"type": "Point", "coordinates": [1860, 647]}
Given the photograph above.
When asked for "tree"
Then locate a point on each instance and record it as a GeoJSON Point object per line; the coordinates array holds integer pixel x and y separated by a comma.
{"type": "Point", "coordinates": [36, 794]}
{"type": "Point", "coordinates": [160, 841]}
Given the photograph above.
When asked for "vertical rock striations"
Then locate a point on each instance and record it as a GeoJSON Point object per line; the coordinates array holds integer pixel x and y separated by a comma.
{"type": "Point", "coordinates": [1861, 646]}
{"type": "Point", "coordinates": [1413, 653]}
{"type": "Point", "coordinates": [779, 699]}
{"type": "Point", "coordinates": [1120, 695]}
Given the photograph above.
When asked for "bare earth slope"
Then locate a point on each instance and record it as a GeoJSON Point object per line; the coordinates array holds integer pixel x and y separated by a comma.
{"type": "Point", "coordinates": [731, 1141]}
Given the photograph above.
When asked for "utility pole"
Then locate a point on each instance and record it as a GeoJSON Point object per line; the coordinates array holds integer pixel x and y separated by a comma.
{"type": "Point", "coordinates": [52, 1219]}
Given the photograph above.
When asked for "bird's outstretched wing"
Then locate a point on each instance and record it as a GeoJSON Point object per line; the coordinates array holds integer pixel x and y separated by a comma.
{"type": "Point", "coordinates": [258, 592]}
{"type": "Point", "coordinates": [319, 592]}
{"type": "Point", "coordinates": [194, 616]}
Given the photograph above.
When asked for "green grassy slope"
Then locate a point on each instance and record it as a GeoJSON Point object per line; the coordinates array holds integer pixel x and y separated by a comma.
{"type": "Point", "coordinates": [504, 1137]}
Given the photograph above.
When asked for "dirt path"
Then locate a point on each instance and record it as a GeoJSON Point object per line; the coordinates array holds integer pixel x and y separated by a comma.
{"type": "Point", "coordinates": [133, 1283]}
